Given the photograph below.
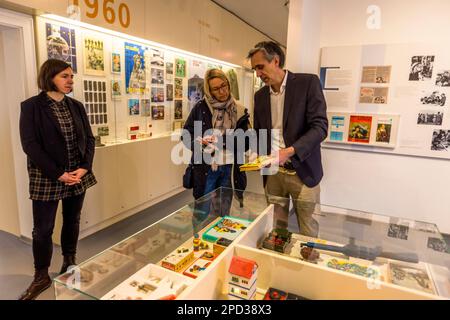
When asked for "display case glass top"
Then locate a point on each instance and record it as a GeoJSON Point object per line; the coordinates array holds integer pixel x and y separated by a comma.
{"type": "Point", "coordinates": [187, 254]}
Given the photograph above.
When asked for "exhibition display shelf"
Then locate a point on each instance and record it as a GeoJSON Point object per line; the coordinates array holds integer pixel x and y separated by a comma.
{"type": "Point", "coordinates": [194, 254]}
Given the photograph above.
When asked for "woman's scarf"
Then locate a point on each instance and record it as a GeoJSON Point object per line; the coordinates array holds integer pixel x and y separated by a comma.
{"type": "Point", "coordinates": [224, 114]}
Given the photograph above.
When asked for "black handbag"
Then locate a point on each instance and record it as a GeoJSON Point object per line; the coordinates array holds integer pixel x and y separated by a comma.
{"type": "Point", "coordinates": [187, 177]}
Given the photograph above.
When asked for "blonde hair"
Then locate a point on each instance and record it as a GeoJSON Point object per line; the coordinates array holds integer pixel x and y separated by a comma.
{"type": "Point", "coordinates": [211, 74]}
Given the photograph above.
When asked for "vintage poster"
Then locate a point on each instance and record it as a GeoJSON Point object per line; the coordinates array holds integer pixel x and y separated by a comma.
{"type": "Point", "coordinates": [135, 79]}
{"type": "Point", "coordinates": [158, 112]}
{"type": "Point", "coordinates": [116, 64]}
{"type": "Point", "coordinates": [157, 94]}
{"type": "Point", "coordinates": [169, 71]}
{"type": "Point", "coordinates": [133, 107]}
{"type": "Point", "coordinates": [421, 68]}
{"type": "Point", "coordinates": [94, 58]}
{"type": "Point", "coordinates": [180, 68]}
{"type": "Point", "coordinates": [157, 58]}
{"type": "Point", "coordinates": [61, 44]}
{"type": "Point", "coordinates": [178, 88]}
{"type": "Point", "coordinates": [376, 74]}
{"type": "Point", "coordinates": [195, 83]}
{"type": "Point", "coordinates": [384, 127]}
{"type": "Point", "coordinates": [376, 95]}
{"type": "Point", "coordinates": [116, 89]}
{"type": "Point", "coordinates": [337, 128]}
{"type": "Point", "coordinates": [157, 76]}
{"type": "Point", "coordinates": [169, 92]}
{"type": "Point", "coordinates": [234, 84]}
{"type": "Point", "coordinates": [178, 109]}
{"type": "Point", "coordinates": [195, 90]}
{"type": "Point", "coordinates": [145, 108]}
{"type": "Point", "coordinates": [359, 129]}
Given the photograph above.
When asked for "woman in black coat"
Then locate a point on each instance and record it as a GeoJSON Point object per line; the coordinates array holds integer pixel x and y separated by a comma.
{"type": "Point", "coordinates": [217, 111]}
{"type": "Point", "coordinates": [59, 144]}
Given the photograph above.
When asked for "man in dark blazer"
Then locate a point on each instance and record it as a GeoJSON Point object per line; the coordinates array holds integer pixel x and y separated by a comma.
{"type": "Point", "coordinates": [292, 108]}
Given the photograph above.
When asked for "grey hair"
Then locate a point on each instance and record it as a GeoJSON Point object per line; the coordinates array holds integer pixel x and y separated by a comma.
{"type": "Point", "coordinates": [270, 50]}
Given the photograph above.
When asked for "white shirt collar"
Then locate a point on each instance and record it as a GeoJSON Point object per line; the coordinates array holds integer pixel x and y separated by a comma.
{"type": "Point", "coordinates": [283, 85]}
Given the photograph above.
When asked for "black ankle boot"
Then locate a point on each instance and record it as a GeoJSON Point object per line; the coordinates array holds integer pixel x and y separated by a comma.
{"type": "Point", "coordinates": [40, 283]}
{"type": "Point", "coordinates": [68, 261]}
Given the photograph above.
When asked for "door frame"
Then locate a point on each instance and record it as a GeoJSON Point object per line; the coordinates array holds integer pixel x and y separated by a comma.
{"type": "Point", "coordinates": [23, 67]}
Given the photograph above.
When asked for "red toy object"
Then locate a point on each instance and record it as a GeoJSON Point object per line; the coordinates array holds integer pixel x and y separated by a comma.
{"type": "Point", "coordinates": [242, 267]}
{"type": "Point", "coordinates": [275, 294]}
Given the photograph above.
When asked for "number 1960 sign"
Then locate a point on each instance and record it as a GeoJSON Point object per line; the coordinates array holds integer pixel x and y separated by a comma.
{"type": "Point", "coordinates": [108, 11]}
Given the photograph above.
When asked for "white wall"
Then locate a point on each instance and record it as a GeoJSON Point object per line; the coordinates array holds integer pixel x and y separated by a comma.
{"type": "Point", "coordinates": [403, 186]}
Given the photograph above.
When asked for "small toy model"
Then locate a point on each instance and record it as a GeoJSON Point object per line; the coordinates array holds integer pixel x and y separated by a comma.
{"type": "Point", "coordinates": [275, 294]}
{"type": "Point", "coordinates": [196, 268]}
{"type": "Point", "coordinates": [242, 275]}
{"type": "Point", "coordinates": [353, 250]}
{"type": "Point", "coordinates": [228, 227]}
{"type": "Point", "coordinates": [208, 256]}
{"type": "Point", "coordinates": [309, 254]}
{"type": "Point", "coordinates": [178, 259]}
{"type": "Point", "coordinates": [277, 240]}
{"type": "Point", "coordinates": [196, 242]}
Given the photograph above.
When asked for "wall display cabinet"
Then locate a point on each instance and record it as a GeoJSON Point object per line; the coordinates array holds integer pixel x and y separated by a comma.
{"type": "Point", "coordinates": [132, 88]}
{"type": "Point", "coordinates": [358, 255]}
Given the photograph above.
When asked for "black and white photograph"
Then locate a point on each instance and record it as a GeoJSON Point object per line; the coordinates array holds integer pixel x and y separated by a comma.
{"type": "Point", "coordinates": [157, 76]}
{"type": "Point", "coordinates": [430, 118]}
{"type": "Point", "coordinates": [437, 244]}
{"type": "Point", "coordinates": [157, 58]}
{"type": "Point", "coordinates": [440, 140]}
{"type": "Point", "coordinates": [421, 68]}
{"type": "Point", "coordinates": [443, 79]}
{"type": "Point", "coordinates": [398, 231]}
{"type": "Point", "coordinates": [436, 98]}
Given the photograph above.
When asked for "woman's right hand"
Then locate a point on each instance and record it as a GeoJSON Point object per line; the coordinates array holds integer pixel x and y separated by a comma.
{"type": "Point", "coordinates": [68, 179]}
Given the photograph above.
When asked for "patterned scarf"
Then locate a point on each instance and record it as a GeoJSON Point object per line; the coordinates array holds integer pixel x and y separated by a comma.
{"type": "Point", "coordinates": [224, 115]}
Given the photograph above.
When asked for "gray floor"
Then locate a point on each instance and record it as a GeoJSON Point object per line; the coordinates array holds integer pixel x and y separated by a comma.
{"type": "Point", "coordinates": [16, 260]}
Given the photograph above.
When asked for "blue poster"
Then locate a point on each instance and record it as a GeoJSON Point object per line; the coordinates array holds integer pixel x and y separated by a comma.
{"type": "Point", "coordinates": [135, 68]}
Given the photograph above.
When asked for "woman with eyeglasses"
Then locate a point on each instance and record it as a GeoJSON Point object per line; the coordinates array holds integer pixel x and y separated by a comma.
{"type": "Point", "coordinates": [219, 115]}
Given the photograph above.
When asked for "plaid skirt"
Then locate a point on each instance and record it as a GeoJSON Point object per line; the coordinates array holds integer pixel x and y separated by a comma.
{"type": "Point", "coordinates": [46, 189]}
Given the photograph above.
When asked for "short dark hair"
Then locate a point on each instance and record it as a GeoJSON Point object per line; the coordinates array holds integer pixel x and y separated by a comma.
{"type": "Point", "coordinates": [270, 49]}
{"type": "Point", "coordinates": [49, 70]}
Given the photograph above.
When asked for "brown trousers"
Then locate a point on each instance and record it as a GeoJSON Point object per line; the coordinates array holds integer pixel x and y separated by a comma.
{"type": "Point", "coordinates": [285, 184]}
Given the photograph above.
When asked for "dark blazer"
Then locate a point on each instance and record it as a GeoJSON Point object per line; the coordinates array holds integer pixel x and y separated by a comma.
{"type": "Point", "coordinates": [305, 123]}
{"type": "Point", "coordinates": [42, 138]}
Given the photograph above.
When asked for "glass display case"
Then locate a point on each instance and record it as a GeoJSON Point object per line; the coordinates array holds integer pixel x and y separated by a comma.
{"type": "Point", "coordinates": [195, 252]}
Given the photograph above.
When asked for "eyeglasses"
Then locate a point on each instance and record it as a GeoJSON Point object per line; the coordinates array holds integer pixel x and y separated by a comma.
{"type": "Point", "coordinates": [223, 86]}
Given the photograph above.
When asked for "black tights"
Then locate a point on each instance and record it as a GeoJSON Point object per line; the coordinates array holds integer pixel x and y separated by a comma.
{"type": "Point", "coordinates": [44, 213]}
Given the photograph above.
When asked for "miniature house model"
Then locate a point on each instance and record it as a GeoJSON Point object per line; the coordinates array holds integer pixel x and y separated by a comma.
{"type": "Point", "coordinates": [242, 276]}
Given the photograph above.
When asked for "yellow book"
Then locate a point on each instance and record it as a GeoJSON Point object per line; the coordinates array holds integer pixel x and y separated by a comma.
{"type": "Point", "coordinates": [257, 164]}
